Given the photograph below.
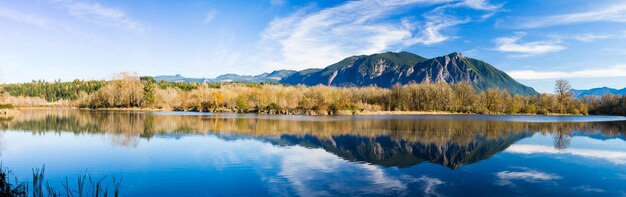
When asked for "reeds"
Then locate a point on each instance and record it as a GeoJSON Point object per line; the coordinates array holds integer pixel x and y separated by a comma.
{"type": "Point", "coordinates": [7, 188]}
{"type": "Point", "coordinates": [86, 186]}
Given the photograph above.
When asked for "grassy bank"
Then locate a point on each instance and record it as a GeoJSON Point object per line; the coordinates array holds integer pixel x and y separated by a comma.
{"type": "Point", "coordinates": [339, 113]}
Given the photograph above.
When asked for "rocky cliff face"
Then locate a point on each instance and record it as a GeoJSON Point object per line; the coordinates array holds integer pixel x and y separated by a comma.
{"type": "Point", "coordinates": [361, 70]}
{"type": "Point", "coordinates": [449, 68]}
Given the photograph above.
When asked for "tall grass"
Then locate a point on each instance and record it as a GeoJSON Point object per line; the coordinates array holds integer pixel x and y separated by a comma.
{"type": "Point", "coordinates": [8, 188]}
{"type": "Point", "coordinates": [85, 186]}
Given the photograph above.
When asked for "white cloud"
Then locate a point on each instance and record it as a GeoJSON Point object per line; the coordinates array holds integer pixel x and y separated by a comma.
{"type": "Point", "coordinates": [527, 175]}
{"type": "Point", "coordinates": [586, 37]}
{"type": "Point", "coordinates": [24, 17]}
{"type": "Point", "coordinates": [587, 188]}
{"type": "Point", "coordinates": [303, 166]}
{"type": "Point", "coordinates": [103, 16]}
{"type": "Point", "coordinates": [321, 38]}
{"type": "Point", "coordinates": [210, 15]}
{"type": "Point", "coordinates": [430, 185]}
{"type": "Point", "coordinates": [611, 13]}
{"type": "Point", "coordinates": [436, 21]}
{"type": "Point", "coordinates": [512, 44]}
{"type": "Point", "coordinates": [612, 71]}
{"type": "Point", "coordinates": [532, 176]}
{"type": "Point", "coordinates": [481, 5]}
{"type": "Point", "coordinates": [590, 37]}
{"type": "Point", "coordinates": [616, 157]}
{"type": "Point", "coordinates": [304, 40]}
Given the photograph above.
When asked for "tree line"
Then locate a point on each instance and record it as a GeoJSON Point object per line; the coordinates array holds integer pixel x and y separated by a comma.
{"type": "Point", "coordinates": [609, 104]}
{"type": "Point", "coordinates": [130, 91]}
{"type": "Point", "coordinates": [54, 91]}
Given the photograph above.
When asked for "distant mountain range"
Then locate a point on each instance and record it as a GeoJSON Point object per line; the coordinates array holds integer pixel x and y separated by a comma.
{"type": "Point", "coordinates": [598, 92]}
{"type": "Point", "coordinates": [274, 76]}
{"type": "Point", "coordinates": [385, 70]}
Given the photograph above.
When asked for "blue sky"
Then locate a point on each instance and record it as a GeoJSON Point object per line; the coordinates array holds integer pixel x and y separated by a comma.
{"type": "Point", "coordinates": [535, 41]}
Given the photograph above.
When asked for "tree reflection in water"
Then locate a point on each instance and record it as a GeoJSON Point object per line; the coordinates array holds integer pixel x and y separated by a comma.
{"type": "Point", "coordinates": [401, 142]}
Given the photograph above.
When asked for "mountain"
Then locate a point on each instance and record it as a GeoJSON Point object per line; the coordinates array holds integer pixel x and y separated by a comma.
{"type": "Point", "coordinates": [598, 92]}
{"type": "Point", "coordinates": [274, 76]}
{"type": "Point", "coordinates": [387, 69]}
{"type": "Point", "coordinates": [179, 78]}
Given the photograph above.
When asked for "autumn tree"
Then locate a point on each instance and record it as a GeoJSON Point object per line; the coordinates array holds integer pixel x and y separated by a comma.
{"type": "Point", "coordinates": [465, 97]}
{"type": "Point", "coordinates": [125, 90]}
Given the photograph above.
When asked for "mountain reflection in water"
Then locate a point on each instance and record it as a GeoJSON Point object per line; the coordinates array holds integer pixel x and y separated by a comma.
{"type": "Point", "coordinates": [390, 142]}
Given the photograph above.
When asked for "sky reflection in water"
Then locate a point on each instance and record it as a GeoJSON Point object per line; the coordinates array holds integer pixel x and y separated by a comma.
{"type": "Point", "coordinates": [165, 155]}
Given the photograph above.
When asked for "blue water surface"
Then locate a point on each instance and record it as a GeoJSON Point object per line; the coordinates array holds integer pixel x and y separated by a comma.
{"type": "Point", "coordinates": [165, 154]}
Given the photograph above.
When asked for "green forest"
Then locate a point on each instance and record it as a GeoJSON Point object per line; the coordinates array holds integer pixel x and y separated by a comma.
{"type": "Point", "coordinates": [129, 91]}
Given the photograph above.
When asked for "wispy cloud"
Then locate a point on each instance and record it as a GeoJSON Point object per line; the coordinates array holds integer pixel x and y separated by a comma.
{"type": "Point", "coordinates": [590, 37]}
{"type": "Point", "coordinates": [616, 157]}
{"type": "Point", "coordinates": [23, 17]}
{"type": "Point", "coordinates": [611, 13]}
{"type": "Point", "coordinates": [513, 44]}
{"type": "Point", "coordinates": [102, 16]}
{"type": "Point", "coordinates": [210, 15]}
{"type": "Point", "coordinates": [430, 185]}
{"type": "Point", "coordinates": [532, 176]}
{"type": "Point", "coordinates": [527, 175]}
{"type": "Point", "coordinates": [436, 21]}
{"type": "Point", "coordinates": [611, 71]}
{"type": "Point", "coordinates": [587, 188]}
{"type": "Point", "coordinates": [323, 37]}
{"type": "Point", "coordinates": [483, 5]}
{"type": "Point", "coordinates": [320, 38]}
{"type": "Point", "coordinates": [585, 37]}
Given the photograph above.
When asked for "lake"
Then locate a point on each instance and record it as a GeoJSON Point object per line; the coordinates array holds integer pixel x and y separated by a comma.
{"type": "Point", "coordinates": [201, 154]}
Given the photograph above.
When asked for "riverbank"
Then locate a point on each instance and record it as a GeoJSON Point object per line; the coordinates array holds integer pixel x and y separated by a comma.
{"type": "Point", "coordinates": [311, 113]}
{"type": "Point", "coordinates": [132, 91]}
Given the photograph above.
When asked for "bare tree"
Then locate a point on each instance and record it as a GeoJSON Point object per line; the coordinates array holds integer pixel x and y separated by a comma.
{"type": "Point", "coordinates": [563, 89]}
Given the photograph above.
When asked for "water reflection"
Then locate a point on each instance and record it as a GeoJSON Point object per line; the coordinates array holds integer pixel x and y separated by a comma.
{"type": "Point", "coordinates": [451, 142]}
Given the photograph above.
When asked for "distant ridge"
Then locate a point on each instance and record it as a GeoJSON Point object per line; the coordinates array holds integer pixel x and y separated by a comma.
{"type": "Point", "coordinates": [274, 76]}
{"type": "Point", "coordinates": [598, 92]}
{"type": "Point", "coordinates": [386, 70]}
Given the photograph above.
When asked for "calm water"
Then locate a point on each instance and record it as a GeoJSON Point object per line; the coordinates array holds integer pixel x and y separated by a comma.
{"type": "Point", "coordinates": [173, 154]}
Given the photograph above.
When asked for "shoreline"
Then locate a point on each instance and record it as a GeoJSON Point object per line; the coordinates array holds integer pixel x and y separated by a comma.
{"type": "Point", "coordinates": [340, 113]}
{"type": "Point", "coordinates": [8, 113]}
